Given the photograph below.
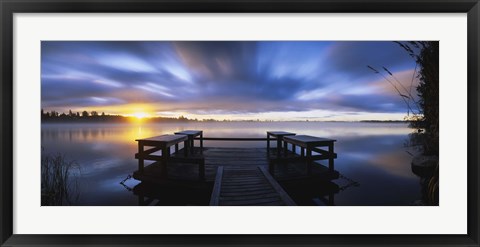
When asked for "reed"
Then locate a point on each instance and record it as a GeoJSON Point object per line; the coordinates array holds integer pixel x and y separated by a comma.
{"type": "Point", "coordinates": [423, 109]}
{"type": "Point", "coordinates": [59, 178]}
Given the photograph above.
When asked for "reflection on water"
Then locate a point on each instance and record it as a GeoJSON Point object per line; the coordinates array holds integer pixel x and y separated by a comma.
{"type": "Point", "coordinates": [173, 194]}
{"type": "Point", "coordinates": [312, 193]}
{"type": "Point", "coordinates": [372, 154]}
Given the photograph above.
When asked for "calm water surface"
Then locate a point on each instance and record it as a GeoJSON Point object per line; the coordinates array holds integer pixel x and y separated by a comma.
{"type": "Point", "coordinates": [372, 154]}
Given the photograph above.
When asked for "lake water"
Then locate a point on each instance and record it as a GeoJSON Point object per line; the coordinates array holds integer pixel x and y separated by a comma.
{"type": "Point", "coordinates": [371, 154]}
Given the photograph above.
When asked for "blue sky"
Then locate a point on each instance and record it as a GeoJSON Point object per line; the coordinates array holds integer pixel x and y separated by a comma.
{"type": "Point", "coordinates": [267, 80]}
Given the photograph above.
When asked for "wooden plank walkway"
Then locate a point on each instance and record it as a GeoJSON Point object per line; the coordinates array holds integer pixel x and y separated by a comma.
{"type": "Point", "coordinates": [247, 186]}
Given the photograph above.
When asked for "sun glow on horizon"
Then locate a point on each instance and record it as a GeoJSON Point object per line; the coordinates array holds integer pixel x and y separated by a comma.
{"type": "Point", "coordinates": [140, 115]}
{"type": "Point", "coordinates": [137, 111]}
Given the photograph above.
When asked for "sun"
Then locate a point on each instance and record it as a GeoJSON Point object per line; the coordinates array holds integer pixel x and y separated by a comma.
{"type": "Point", "coordinates": [136, 112]}
{"type": "Point", "coordinates": [140, 115]}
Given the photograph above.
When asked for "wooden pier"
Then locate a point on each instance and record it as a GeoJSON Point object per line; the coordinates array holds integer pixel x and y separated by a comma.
{"type": "Point", "coordinates": [239, 176]}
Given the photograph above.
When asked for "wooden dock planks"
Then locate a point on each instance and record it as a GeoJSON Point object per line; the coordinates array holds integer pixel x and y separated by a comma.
{"type": "Point", "coordinates": [247, 186]}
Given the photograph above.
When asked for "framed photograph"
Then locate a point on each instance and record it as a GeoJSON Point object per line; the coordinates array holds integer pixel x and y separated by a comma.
{"type": "Point", "coordinates": [239, 123]}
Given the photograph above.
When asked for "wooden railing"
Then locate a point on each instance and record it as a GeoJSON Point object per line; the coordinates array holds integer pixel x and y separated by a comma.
{"type": "Point", "coordinates": [235, 139]}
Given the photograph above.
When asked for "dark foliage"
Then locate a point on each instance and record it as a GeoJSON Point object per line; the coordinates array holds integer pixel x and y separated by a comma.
{"type": "Point", "coordinates": [428, 91]}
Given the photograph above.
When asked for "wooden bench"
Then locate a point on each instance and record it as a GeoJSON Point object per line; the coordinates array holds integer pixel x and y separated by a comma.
{"type": "Point", "coordinates": [311, 144]}
{"type": "Point", "coordinates": [191, 134]}
{"type": "Point", "coordinates": [164, 143]}
{"type": "Point", "coordinates": [279, 137]}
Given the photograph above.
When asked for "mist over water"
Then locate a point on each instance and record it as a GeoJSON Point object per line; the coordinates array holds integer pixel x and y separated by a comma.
{"type": "Point", "coordinates": [372, 154]}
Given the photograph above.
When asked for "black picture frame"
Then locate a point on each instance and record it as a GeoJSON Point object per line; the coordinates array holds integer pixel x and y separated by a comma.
{"type": "Point", "coordinates": [10, 7]}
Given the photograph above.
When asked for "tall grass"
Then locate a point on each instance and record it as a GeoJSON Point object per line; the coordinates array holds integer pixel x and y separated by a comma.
{"type": "Point", "coordinates": [59, 179]}
{"type": "Point", "coordinates": [423, 109]}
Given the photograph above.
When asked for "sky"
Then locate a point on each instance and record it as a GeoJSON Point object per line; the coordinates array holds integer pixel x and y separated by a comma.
{"type": "Point", "coordinates": [235, 80]}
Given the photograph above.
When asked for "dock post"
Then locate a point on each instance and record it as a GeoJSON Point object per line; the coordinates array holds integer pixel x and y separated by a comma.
{"type": "Point", "coordinates": [309, 161]}
{"type": "Point", "coordinates": [140, 157]}
{"type": "Point", "coordinates": [192, 141]}
{"type": "Point", "coordinates": [330, 157]}
{"type": "Point", "coordinates": [165, 155]}
{"type": "Point", "coordinates": [285, 149]}
{"type": "Point", "coordinates": [268, 144]}
{"type": "Point", "coordinates": [201, 142]}
{"type": "Point", "coordinates": [331, 199]}
{"type": "Point", "coordinates": [186, 145]}
{"type": "Point", "coordinates": [279, 146]}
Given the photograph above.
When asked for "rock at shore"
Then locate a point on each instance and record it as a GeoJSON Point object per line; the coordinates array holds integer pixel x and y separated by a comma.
{"type": "Point", "coordinates": [424, 166]}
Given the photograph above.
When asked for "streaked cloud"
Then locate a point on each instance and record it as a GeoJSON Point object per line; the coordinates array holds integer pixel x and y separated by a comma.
{"type": "Point", "coordinates": [291, 79]}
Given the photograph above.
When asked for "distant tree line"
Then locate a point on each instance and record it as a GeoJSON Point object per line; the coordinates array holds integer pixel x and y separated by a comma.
{"type": "Point", "coordinates": [54, 116]}
{"type": "Point", "coordinates": [386, 121]}
{"type": "Point", "coordinates": [95, 116]}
